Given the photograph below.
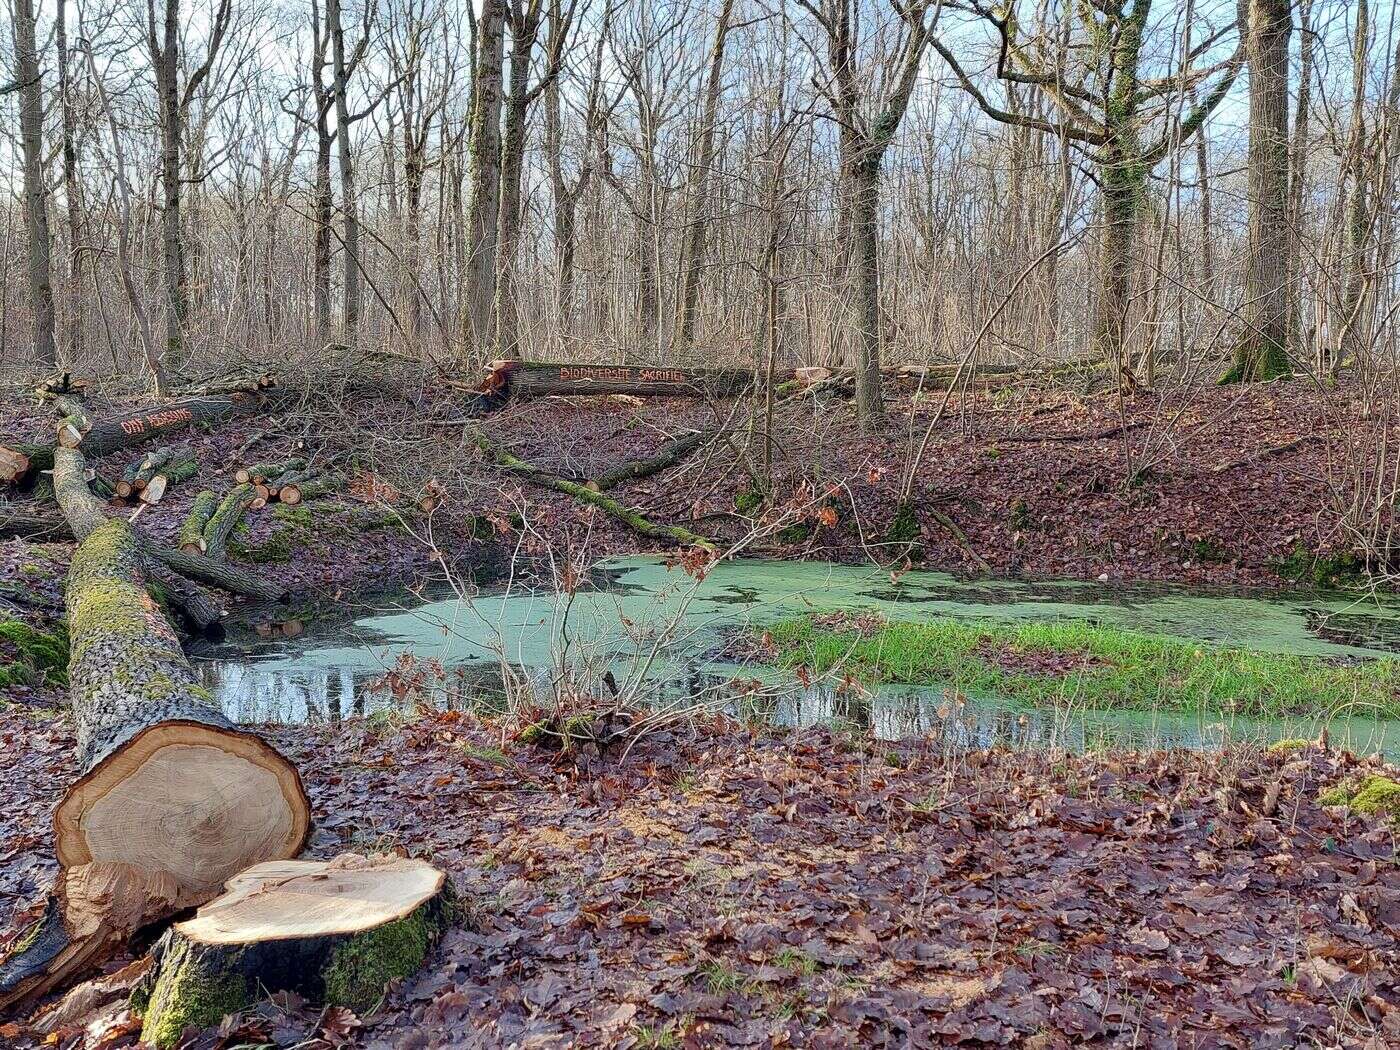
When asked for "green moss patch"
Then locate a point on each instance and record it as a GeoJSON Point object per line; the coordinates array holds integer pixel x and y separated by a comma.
{"type": "Point", "coordinates": [1332, 570]}
{"type": "Point", "coordinates": [1071, 661]}
{"type": "Point", "coordinates": [363, 966]}
{"type": "Point", "coordinates": [1374, 795]}
{"type": "Point", "coordinates": [29, 656]}
{"type": "Point", "coordinates": [184, 1000]}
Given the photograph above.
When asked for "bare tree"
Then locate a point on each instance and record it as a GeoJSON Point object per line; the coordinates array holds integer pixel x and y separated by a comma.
{"type": "Point", "coordinates": [29, 83]}
{"type": "Point", "coordinates": [867, 111]}
{"type": "Point", "coordinates": [1262, 352]}
{"type": "Point", "coordinates": [163, 40]}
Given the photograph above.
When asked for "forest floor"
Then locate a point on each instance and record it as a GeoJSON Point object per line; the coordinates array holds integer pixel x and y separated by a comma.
{"type": "Point", "coordinates": [719, 885]}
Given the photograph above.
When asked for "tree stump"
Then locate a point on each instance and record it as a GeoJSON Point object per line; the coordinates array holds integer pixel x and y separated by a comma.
{"type": "Point", "coordinates": [335, 932]}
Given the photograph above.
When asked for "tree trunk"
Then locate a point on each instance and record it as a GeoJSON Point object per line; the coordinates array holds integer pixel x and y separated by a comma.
{"type": "Point", "coordinates": [537, 379]}
{"type": "Point", "coordinates": [485, 175]}
{"type": "Point", "coordinates": [321, 222]}
{"type": "Point", "coordinates": [36, 206]}
{"type": "Point", "coordinates": [505, 315]}
{"type": "Point", "coordinates": [694, 252]}
{"type": "Point", "coordinates": [863, 190]}
{"type": "Point", "coordinates": [1358, 207]}
{"type": "Point", "coordinates": [1119, 199]}
{"type": "Point", "coordinates": [333, 932]}
{"type": "Point", "coordinates": [73, 337]}
{"type": "Point", "coordinates": [1262, 352]}
{"type": "Point", "coordinates": [167, 68]}
{"type": "Point", "coordinates": [349, 203]}
{"type": "Point", "coordinates": [172, 798]}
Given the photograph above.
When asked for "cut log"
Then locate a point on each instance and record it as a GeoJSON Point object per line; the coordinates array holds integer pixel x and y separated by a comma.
{"type": "Point", "coordinates": [532, 379]}
{"type": "Point", "coordinates": [225, 519]}
{"type": "Point", "coordinates": [177, 470]}
{"type": "Point", "coordinates": [14, 464]}
{"type": "Point", "coordinates": [191, 538]}
{"type": "Point", "coordinates": [31, 523]}
{"type": "Point", "coordinates": [334, 932]}
{"type": "Point", "coordinates": [126, 484]}
{"type": "Point", "coordinates": [150, 466]}
{"type": "Point", "coordinates": [302, 491]}
{"type": "Point", "coordinates": [129, 429]}
{"type": "Point", "coordinates": [172, 798]}
{"type": "Point", "coordinates": [260, 473]}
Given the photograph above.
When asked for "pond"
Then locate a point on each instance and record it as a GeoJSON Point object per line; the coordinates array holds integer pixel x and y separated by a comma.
{"type": "Point", "coordinates": [659, 632]}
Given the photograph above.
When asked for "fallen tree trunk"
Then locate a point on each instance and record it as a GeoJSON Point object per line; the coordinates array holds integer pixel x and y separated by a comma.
{"type": "Point", "coordinates": [670, 454]}
{"type": "Point", "coordinates": [633, 519]}
{"type": "Point", "coordinates": [225, 519]}
{"type": "Point", "coordinates": [532, 379]}
{"type": "Point", "coordinates": [172, 798]}
{"type": "Point", "coordinates": [333, 932]}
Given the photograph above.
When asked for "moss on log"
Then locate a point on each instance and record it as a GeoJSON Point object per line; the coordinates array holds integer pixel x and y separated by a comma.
{"type": "Point", "coordinates": [191, 537]}
{"type": "Point", "coordinates": [633, 519]}
{"type": "Point", "coordinates": [335, 932]}
{"type": "Point", "coordinates": [225, 519]}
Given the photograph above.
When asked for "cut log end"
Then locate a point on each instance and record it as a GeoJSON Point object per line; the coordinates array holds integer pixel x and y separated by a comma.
{"type": "Point", "coordinates": [194, 800]}
{"type": "Point", "coordinates": [336, 932]}
{"type": "Point", "coordinates": [289, 494]}
{"type": "Point", "coordinates": [14, 465]}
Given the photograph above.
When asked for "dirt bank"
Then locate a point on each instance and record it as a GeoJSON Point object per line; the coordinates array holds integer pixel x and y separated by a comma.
{"type": "Point", "coordinates": [1223, 487]}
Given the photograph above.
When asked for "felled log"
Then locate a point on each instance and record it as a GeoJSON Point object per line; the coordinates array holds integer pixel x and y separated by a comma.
{"type": "Point", "coordinates": [533, 379]}
{"type": "Point", "coordinates": [300, 491]}
{"type": "Point", "coordinates": [172, 798]}
{"type": "Point", "coordinates": [225, 519]}
{"type": "Point", "coordinates": [30, 523]}
{"type": "Point", "coordinates": [14, 463]}
{"type": "Point", "coordinates": [261, 473]}
{"type": "Point", "coordinates": [191, 537]}
{"type": "Point", "coordinates": [632, 518]}
{"type": "Point", "coordinates": [177, 470]}
{"type": "Point", "coordinates": [150, 465]}
{"type": "Point", "coordinates": [333, 932]}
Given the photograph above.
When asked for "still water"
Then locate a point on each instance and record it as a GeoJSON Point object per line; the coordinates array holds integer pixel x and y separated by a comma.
{"type": "Point", "coordinates": [660, 633]}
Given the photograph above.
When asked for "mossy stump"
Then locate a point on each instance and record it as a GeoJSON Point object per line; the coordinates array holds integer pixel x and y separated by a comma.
{"type": "Point", "coordinates": [335, 932]}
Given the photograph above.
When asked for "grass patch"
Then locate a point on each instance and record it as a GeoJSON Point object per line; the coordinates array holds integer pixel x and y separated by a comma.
{"type": "Point", "coordinates": [1050, 662]}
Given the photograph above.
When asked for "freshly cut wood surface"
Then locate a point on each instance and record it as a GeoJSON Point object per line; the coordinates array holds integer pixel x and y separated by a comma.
{"type": "Point", "coordinates": [282, 900]}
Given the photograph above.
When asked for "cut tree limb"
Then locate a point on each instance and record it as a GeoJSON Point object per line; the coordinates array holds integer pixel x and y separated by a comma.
{"type": "Point", "coordinates": [630, 517]}
{"type": "Point", "coordinates": [533, 379]}
{"type": "Point", "coordinates": [225, 519]}
{"type": "Point", "coordinates": [670, 454]}
{"type": "Point", "coordinates": [180, 468]}
{"type": "Point", "coordinates": [191, 537]}
{"type": "Point", "coordinates": [172, 798]}
{"type": "Point", "coordinates": [334, 932]}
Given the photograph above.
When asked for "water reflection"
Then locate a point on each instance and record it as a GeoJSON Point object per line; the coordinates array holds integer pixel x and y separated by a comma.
{"type": "Point", "coordinates": [328, 671]}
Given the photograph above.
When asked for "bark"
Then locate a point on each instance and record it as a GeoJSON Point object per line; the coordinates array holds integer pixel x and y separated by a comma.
{"type": "Point", "coordinates": [134, 428]}
{"type": "Point", "coordinates": [537, 379]}
{"type": "Point", "coordinates": [166, 60]}
{"type": "Point", "coordinates": [1262, 352]}
{"type": "Point", "coordinates": [172, 798]}
{"type": "Point", "coordinates": [485, 174]}
{"type": "Point", "coordinates": [335, 933]}
{"type": "Point", "coordinates": [225, 519]}
{"type": "Point", "coordinates": [191, 536]}
{"type": "Point", "coordinates": [673, 452]}
{"type": "Point", "coordinates": [36, 197]}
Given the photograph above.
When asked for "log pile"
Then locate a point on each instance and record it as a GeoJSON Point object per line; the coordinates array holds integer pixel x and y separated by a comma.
{"type": "Point", "coordinates": [172, 799]}
{"type": "Point", "coordinates": [95, 439]}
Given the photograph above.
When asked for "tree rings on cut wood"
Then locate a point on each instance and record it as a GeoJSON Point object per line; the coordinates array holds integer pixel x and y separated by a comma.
{"type": "Point", "coordinates": [335, 932]}
{"type": "Point", "coordinates": [14, 464]}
